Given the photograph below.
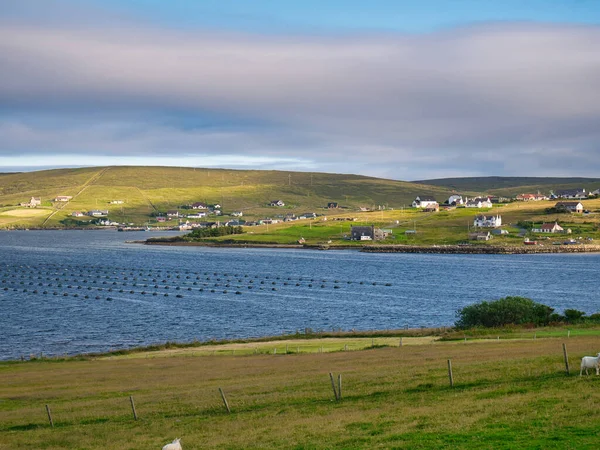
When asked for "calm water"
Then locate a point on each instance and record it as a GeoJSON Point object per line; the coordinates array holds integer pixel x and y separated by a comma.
{"type": "Point", "coordinates": [348, 290]}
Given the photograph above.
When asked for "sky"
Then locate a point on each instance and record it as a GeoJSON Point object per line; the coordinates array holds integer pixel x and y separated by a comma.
{"type": "Point", "coordinates": [403, 90]}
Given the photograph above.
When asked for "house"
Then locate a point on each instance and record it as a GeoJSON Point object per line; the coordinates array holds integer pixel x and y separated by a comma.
{"type": "Point", "coordinates": [482, 236]}
{"type": "Point", "coordinates": [549, 228]}
{"type": "Point", "coordinates": [35, 201]}
{"type": "Point", "coordinates": [237, 214]}
{"type": "Point", "coordinates": [332, 205]}
{"type": "Point", "coordinates": [77, 214]}
{"type": "Point", "coordinates": [362, 233]}
{"type": "Point", "coordinates": [173, 213]}
{"type": "Point", "coordinates": [483, 221]}
{"type": "Point", "coordinates": [198, 215]}
{"type": "Point", "coordinates": [97, 213]}
{"type": "Point", "coordinates": [198, 205]}
{"type": "Point", "coordinates": [455, 200]}
{"type": "Point", "coordinates": [531, 197]}
{"type": "Point", "coordinates": [479, 203]}
{"type": "Point", "coordinates": [596, 192]}
{"type": "Point", "coordinates": [499, 232]}
{"type": "Point", "coordinates": [268, 221]}
{"type": "Point", "coordinates": [116, 202]}
{"type": "Point", "coordinates": [234, 223]}
{"type": "Point", "coordinates": [63, 198]}
{"type": "Point", "coordinates": [308, 215]}
{"type": "Point", "coordinates": [277, 203]}
{"type": "Point", "coordinates": [290, 218]}
{"type": "Point", "coordinates": [432, 207]}
{"type": "Point", "coordinates": [161, 219]}
{"type": "Point", "coordinates": [423, 201]}
{"type": "Point", "coordinates": [364, 209]}
{"type": "Point", "coordinates": [576, 207]}
{"type": "Point", "coordinates": [571, 193]}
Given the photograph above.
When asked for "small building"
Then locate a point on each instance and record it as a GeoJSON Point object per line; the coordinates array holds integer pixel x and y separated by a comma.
{"type": "Point", "coordinates": [596, 192]}
{"type": "Point", "coordinates": [571, 193]}
{"type": "Point", "coordinates": [499, 232]}
{"type": "Point", "coordinates": [237, 214]}
{"type": "Point", "coordinates": [575, 207]}
{"type": "Point", "coordinates": [172, 213]}
{"type": "Point", "coordinates": [116, 202]}
{"type": "Point", "coordinates": [484, 221]}
{"type": "Point", "coordinates": [197, 215]}
{"type": "Point", "coordinates": [455, 200]}
{"type": "Point", "coordinates": [34, 202]}
{"type": "Point", "coordinates": [549, 228]}
{"type": "Point", "coordinates": [277, 203]}
{"type": "Point", "coordinates": [77, 214]}
{"type": "Point", "coordinates": [481, 236]}
{"type": "Point", "coordinates": [98, 213]}
{"type": "Point", "coordinates": [308, 215]}
{"type": "Point", "coordinates": [362, 233]}
{"type": "Point", "coordinates": [63, 198]}
{"type": "Point", "coordinates": [161, 219]}
{"type": "Point", "coordinates": [531, 197]}
{"type": "Point", "coordinates": [479, 202]}
{"type": "Point", "coordinates": [423, 201]}
{"type": "Point", "coordinates": [332, 205]}
{"type": "Point", "coordinates": [432, 207]}
{"type": "Point", "coordinates": [198, 205]}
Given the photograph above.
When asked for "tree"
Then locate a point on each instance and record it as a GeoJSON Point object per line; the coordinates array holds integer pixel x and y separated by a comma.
{"type": "Point", "coordinates": [505, 311]}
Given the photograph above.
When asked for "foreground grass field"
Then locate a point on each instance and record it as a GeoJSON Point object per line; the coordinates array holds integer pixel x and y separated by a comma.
{"type": "Point", "coordinates": [507, 394]}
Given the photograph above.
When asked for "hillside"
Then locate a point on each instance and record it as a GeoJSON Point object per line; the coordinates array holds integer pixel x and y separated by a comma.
{"type": "Point", "coordinates": [512, 185]}
{"type": "Point", "coordinates": [146, 191]}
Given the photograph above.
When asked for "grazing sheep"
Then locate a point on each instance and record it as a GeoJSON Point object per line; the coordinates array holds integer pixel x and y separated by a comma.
{"type": "Point", "coordinates": [590, 362]}
{"type": "Point", "coordinates": [175, 445]}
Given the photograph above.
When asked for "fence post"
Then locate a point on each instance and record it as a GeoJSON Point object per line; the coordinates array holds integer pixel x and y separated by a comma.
{"type": "Point", "coordinates": [340, 386]}
{"type": "Point", "coordinates": [133, 407]}
{"type": "Point", "coordinates": [335, 393]}
{"type": "Point", "coordinates": [49, 416]}
{"type": "Point", "coordinates": [450, 373]}
{"type": "Point", "coordinates": [225, 400]}
{"type": "Point", "coordinates": [566, 358]}
{"type": "Point", "coordinates": [400, 345]}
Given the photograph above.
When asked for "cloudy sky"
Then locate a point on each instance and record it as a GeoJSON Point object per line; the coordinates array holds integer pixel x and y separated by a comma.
{"type": "Point", "coordinates": [398, 89]}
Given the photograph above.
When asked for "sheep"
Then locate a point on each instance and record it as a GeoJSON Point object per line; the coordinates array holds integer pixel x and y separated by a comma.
{"type": "Point", "coordinates": [175, 445]}
{"type": "Point", "coordinates": [590, 362]}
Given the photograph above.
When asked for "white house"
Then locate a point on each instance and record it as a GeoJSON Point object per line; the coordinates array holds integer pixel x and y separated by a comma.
{"type": "Point", "coordinates": [35, 201]}
{"type": "Point", "coordinates": [172, 213]}
{"type": "Point", "coordinates": [277, 203]}
{"type": "Point", "coordinates": [237, 214]}
{"type": "Point", "coordinates": [77, 214]}
{"type": "Point", "coordinates": [424, 201]}
{"type": "Point", "coordinates": [576, 207]}
{"type": "Point", "coordinates": [455, 200]}
{"type": "Point", "coordinates": [596, 192]}
{"type": "Point", "coordinates": [97, 213]}
{"type": "Point", "coordinates": [198, 205]}
{"type": "Point", "coordinates": [487, 221]}
{"type": "Point", "coordinates": [479, 203]}
{"type": "Point", "coordinates": [117, 202]}
{"type": "Point", "coordinates": [549, 228]}
{"type": "Point", "coordinates": [197, 215]}
{"type": "Point", "coordinates": [571, 193]}
{"type": "Point", "coordinates": [63, 198]}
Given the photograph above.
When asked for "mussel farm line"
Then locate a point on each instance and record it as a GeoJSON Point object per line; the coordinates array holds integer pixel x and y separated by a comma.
{"type": "Point", "coordinates": [100, 282]}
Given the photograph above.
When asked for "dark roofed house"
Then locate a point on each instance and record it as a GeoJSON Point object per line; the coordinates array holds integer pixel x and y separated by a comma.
{"type": "Point", "coordinates": [198, 205]}
{"type": "Point", "coordinates": [569, 206]}
{"type": "Point", "coordinates": [332, 205]}
{"type": "Point", "coordinates": [423, 201]}
{"type": "Point", "coordinates": [571, 193]}
{"type": "Point", "coordinates": [277, 203]}
{"type": "Point", "coordinates": [362, 233]}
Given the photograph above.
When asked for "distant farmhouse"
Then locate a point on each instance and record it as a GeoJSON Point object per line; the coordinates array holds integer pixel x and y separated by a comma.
{"type": "Point", "coordinates": [277, 203]}
{"type": "Point", "coordinates": [481, 236]}
{"type": "Point", "coordinates": [549, 228]}
{"type": "Point", "coordinates": [423, 201]}
{"type": "Point", "coordinates": [367, 233]}
{"type": "Point", "coordinates": [571, 193]}
{"type": "Point", "coordinates": [332, 205]}
{"type": "Point", "coordinates": [454, 200]}
{"type": "Point", "coordinates": [117, 202]}
{"type": "Point", "coordinates": [483, 221]}
{"type": "Point", "coordinates": [479, 203]}
{"type": "Point", "coordinates": [531, 197]}
{"type": "Point", "coordinates": [63, 198]}
{"type": "Point", "coordinates": [576, 207]}
{"type": "Point", "coordinates": [34, 202]}
{"type": "Point", "coordinates": [98, 213]}
{"type": "Point", "coordinates": [198, 205]}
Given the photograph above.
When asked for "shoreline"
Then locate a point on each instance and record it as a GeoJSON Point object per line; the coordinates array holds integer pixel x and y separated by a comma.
{"type": "Point", "coordinates": [431, 249]}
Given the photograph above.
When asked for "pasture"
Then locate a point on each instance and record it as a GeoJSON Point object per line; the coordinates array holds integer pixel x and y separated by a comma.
{"type": "Point", "coordinates": [506, 394]}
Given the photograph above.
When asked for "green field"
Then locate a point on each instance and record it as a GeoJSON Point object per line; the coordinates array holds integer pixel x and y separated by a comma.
{"type": "Point", "coordinates": [507, 394]}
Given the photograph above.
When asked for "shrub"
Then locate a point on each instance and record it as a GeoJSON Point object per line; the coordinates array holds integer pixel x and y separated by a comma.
{"type": "Point", "coordinates": [505, 311]}
{"type": "Point", "coordinates": [199, 233]}
{"type": "Point", "coordinates": [574, 316]}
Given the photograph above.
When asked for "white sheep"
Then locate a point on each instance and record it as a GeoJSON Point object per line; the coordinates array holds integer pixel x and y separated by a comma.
{"type": "Point", "coordinates": [175, 445]}
{"type": "Point", "coordinates": [590, 362]}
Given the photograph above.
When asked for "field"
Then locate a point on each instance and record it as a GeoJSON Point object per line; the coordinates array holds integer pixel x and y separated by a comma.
{"type": "Point", "coordinates": [506, 394]}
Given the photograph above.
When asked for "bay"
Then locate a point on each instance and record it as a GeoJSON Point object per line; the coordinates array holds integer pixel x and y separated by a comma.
{"type": "Point", "coordinates": [278, 290]}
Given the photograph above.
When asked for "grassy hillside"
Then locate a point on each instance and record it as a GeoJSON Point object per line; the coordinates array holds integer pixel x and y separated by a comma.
{"type": "Point", "coordinates": [513, 185]}
{"type": "Point", "coordinates": [146, 190]}
{"type": "Point", "coordinates": [506, 394]}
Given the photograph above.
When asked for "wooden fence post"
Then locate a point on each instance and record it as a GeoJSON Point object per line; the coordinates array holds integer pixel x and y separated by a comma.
{"type": "Point", "coordinates": [133, 407]}
{"type": "Point", "coordinates": [335, 393]}
{"type": "Point", "coordinates": [450, 373]}
{"type": "Point", "coordinates": [566, 358]}
{"type": "Point", "coordinates": [339, 387]}
{"type": "Point", "coordinates": [225, 400]}
{"type": "Point", "coordinates": [49, 416]}
{"type": "Point", "coordinates": [400, 345]}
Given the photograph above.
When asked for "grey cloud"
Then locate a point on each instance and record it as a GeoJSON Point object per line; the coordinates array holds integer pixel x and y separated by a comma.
{"type": "Point", "coordinates": [507, 99]}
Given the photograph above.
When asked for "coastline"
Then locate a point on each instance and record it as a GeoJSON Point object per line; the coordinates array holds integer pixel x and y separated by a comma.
{"type": "Point", "coordinates": [431, 249]}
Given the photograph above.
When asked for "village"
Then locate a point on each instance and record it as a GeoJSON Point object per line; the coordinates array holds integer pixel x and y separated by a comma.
{"type": "Point", "coordinates": [484, 225]}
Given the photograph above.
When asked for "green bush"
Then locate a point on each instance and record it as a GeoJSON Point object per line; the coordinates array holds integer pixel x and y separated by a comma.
{"type": "Point", "coordinates": [505, 311]}
{"type": "Point", "coordinates": [574, 316]}
{"type": "Point", "coordinates": [199, 233]}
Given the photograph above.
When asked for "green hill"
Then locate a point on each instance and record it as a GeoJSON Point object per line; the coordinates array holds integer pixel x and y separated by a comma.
{"type": "Point", "coordinates": [147, 191]}
{"type": "Point", "coordinates": [512, 185]}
